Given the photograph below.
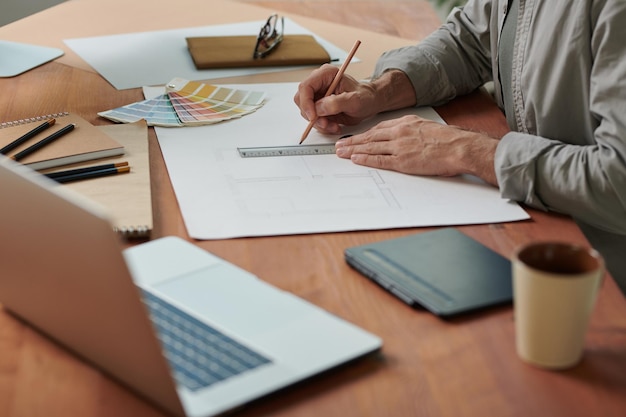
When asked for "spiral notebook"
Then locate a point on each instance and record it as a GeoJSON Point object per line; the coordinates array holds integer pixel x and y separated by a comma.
{"type": "Point", "coordinates": [127, 197]}
{"type": "Point", "coordinates": [84, 143]}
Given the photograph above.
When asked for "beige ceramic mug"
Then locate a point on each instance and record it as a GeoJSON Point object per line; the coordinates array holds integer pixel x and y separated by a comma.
{"type": "Point", "coordinates": [555, 287]}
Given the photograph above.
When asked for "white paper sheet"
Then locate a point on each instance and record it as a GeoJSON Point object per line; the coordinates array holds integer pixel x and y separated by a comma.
{"type": "Point", "coordinates": [153, 58]}
{"type": "Point", "coordinates": [222, 195]}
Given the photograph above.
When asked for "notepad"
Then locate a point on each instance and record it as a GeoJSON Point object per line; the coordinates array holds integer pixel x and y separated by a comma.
{"type": "Point", "coordinates": [84, 143]}
{"type": "Point", "coordinates": [237, 52]}
{"type": "Point", "coordinates": [444, 271]}
{"type": "Point", "coordinates": [127, 198]}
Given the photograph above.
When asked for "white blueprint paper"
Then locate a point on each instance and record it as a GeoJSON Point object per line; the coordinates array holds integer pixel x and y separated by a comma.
{"type": "Point", "coordinates": [222, 195]}
{"type": "Point", "coordinates": [133, 60]}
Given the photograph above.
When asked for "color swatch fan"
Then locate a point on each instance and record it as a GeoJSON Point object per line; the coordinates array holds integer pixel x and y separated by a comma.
{"type": "Point", "coordinates": [156, 111]}
{"type": "Point", "coordinates": [197, 103]}
{"type": "Point", "coordinates": [189, 103]}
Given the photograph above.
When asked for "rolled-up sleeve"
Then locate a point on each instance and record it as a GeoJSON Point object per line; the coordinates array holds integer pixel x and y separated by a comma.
{"type": "Point", "coordinates": [454, 60]}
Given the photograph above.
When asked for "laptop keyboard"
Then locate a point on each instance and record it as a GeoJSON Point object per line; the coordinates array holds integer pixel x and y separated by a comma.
{"type": "Point", "coordinates": [199, 355]}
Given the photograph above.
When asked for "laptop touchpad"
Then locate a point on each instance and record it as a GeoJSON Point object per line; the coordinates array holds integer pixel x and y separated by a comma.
{"type": "Point", "coordinates": [234, 299]}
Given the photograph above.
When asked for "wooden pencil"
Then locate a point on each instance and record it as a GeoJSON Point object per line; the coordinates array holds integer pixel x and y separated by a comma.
{"type": "Point", "coordinates": [92, 174]}
{"type": "Point", "coordinates": [333, 86]}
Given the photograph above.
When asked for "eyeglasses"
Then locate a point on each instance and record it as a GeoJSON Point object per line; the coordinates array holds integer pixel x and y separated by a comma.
{"type": "Point", "coordinates": [269, 37]}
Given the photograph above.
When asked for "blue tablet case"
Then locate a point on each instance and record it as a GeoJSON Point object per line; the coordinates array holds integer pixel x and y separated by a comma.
{"type": "Point", "coordinates": [444, 271]}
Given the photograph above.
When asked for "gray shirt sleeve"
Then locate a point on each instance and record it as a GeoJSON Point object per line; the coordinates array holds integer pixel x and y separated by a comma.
{"type": "Point", "coordinates": [453, 61]}
{"type": "Point", "coordinates": [583, 173]}
{"type": "Point", "coordinates": [567, 152]}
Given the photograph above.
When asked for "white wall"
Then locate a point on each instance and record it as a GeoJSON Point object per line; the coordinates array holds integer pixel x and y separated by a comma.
{"type": "Point", "coordinates": [11, 10]}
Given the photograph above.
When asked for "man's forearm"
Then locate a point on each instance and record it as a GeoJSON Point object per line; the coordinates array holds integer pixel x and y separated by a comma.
{"type": "Point", "coordinates": [393, 91]}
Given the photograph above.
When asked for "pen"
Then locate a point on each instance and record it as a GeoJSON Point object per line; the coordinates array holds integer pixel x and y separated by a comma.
{"type": "Point", "coordinates": [17, 142]}
{"type": "Point", "coordinates": [332, 87]}
{"type": "Point", "coordinates": [43, 142]}
{"type": "Point", "coordinates": [84, 170]}
{"type": "Point", "coordinates": [96, 173]}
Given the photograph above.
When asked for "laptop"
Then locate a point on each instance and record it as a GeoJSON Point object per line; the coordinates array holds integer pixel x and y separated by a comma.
{"type": "Point", "coordinates": [189, 331]}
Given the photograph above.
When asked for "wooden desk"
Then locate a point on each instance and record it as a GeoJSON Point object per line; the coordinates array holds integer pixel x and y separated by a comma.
{"type": "Point", "coordinates": [429, 367]}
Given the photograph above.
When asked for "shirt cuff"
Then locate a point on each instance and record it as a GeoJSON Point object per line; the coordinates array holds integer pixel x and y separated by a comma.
{"type": "Point", "coordinates": [516, 170]}
{"type": "Point", "coordinates": [430, 81]}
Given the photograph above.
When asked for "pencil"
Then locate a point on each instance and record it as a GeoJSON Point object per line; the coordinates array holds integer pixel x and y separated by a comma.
{"type": "Point", "coordinates": [333, 85]}
{"type": "Point", "coordinates": [43, 142]}
{"type": "Point", "coordinates": [84, 170]}
{"type": "Point", "coordinates": [17, 142]}
{"type": "Point", "coordinates": [92, 174]}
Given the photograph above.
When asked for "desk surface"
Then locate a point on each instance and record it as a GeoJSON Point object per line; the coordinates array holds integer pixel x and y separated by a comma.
{"type": "Point", "coordinates": [465, 366]}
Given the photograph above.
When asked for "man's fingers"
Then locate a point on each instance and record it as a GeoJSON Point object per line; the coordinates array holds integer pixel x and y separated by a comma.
{"type": "Point", "coordinates": [375, 161]}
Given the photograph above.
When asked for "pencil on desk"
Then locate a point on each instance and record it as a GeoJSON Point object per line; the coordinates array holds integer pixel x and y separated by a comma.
{"type": "Point", "coordinates": [56, 135]}
{"type": "Point", "coordinates": [91, 172]}
{"type": "Point", "coordinates": [17, 142]}
{"type": "Point", "coordinates": [84, 170]}
{"type": "Point", "coordinates": [332, 87]}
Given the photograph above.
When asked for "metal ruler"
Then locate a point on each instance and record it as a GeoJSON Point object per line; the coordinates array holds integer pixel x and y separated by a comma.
{"type": "Point", "coordinates": [293, 150]}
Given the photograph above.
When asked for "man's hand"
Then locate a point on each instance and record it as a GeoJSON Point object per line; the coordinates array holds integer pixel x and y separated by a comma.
{"type": "Point", "coordinates": [418, 146]}
{"type": "Point", "coordinates": [352, 101]}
